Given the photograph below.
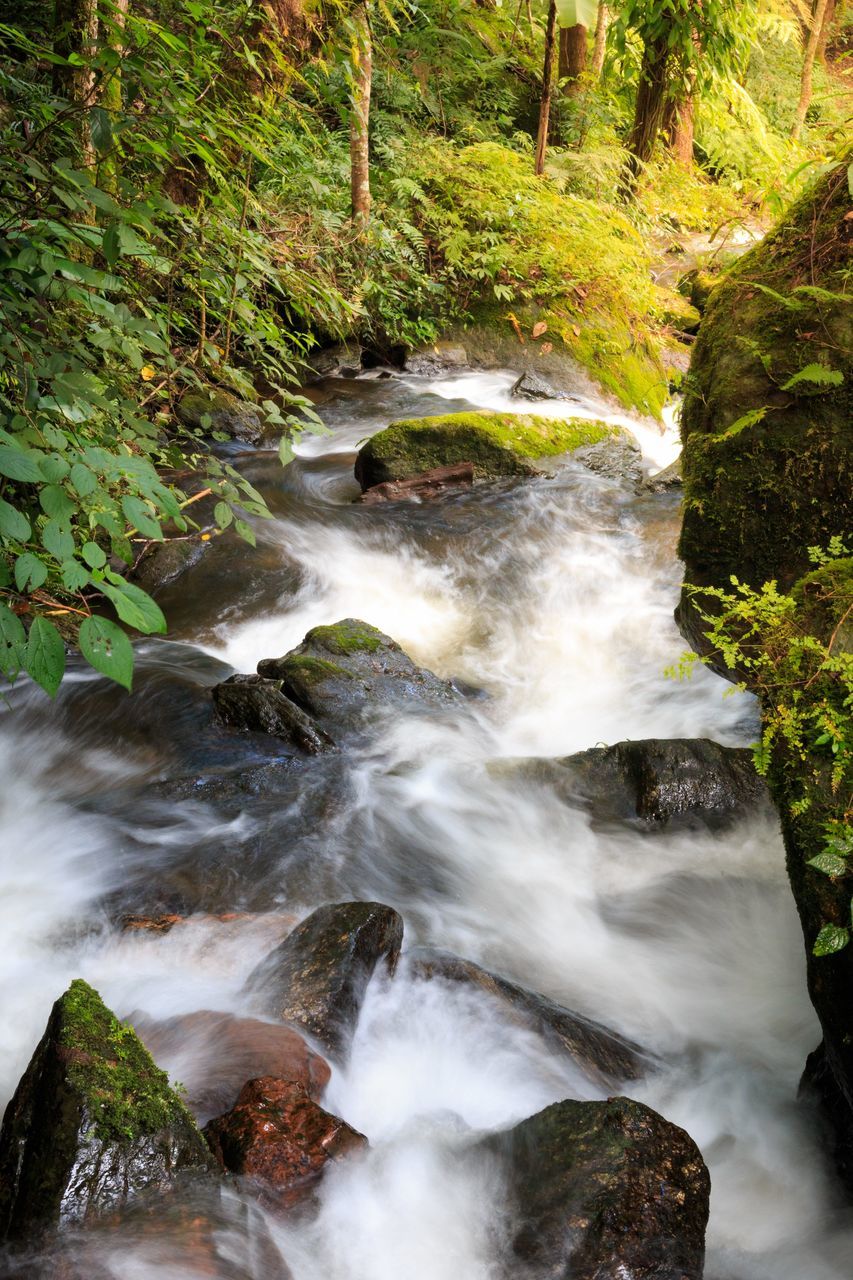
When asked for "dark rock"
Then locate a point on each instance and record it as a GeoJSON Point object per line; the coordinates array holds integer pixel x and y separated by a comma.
{"type": "Point", "coordinates": [258, 704]}
{"type": "Point", "coordinates": [606, 1191]}
{"type": "Point", "coordinates": [277, 1136]}
{"type": "Point", "coordinates": [162, 563]}
{"type": "Point", "coordinates": [219, 1052]}
{"type": "Point", "coordinates": [602, 1054]}
{"type": "Point", "coordinates": [332, 360]}
{"type": "Point", "coordinates": [227, 414]}
{"type": "Point", "coordinates": [318, 976]}
{"type": "Point", "coordinates": [659, 782]}
{"type": "Point", "coordinates": [618, 457]}
{"type": "Point", "coordinates": [668, 478]}
{"type": "Point", "coordinates": [433, 362]}
{"type": "Point", "coordinates": [92, 1124]}
{"type": "Point", "coordinates": [429, 484]}
{"type": "Point", "coordinates": [342, 673]}
{"type": "Point", "coordinates": [532, 386]}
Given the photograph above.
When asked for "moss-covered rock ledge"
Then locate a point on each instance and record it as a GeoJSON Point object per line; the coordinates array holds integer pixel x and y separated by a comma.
{"type": "Point", "coordinates": [93, 1123]}
{"type": "Point", "coordinates": [498, 444]}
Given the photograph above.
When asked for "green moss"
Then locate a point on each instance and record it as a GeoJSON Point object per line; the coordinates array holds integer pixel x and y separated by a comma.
{"type": "Point", "coordinates": [345, 637]}
{"type": "Point", "coordinates": [305, 667]}
{"type": "Point", "coordinates": [127, 1095]}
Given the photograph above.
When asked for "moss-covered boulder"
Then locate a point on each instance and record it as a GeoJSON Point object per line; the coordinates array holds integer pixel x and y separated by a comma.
{"type": "Point", "coordinates": [219, 411]}
{"type": "Point", "coordinates": [92, 1124]}
{"type": "Point", "coordinates": [498, 444]}
{"type": "Point", "coordinates": [605, 1190]}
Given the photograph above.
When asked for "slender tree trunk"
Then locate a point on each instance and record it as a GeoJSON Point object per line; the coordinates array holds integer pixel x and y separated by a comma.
{"type": "Point", "coordinates": [360, 116]}
{"type": "Point", "coordinates": [111, 99]}
{"type": "Point", "coordinates": [678, 128]}
{"type": "Point", "coordinates": [572, 61]}
{"type": "Point", "coordinates": [827, 27]}
{"type": "Point", "coordinates": [547, 87]}
{"type": "Point", "coordinates": [649, 113]}
{"type": "Point", "coordinates": [599, 47]}
{"type": "Point", "coordinates": [818, 22]}
{"type": "Point", "coordinates": [75, 31]}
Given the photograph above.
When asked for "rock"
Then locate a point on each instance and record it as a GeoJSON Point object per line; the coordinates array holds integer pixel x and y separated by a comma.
{"type": "Point", "coordinates": [277, 1136]}
{"type": "Point", "coordinates": [92, 1124]}
{"type": "Point", "coordinates": [665, 479]}
{"type": "Point", "coordinates": [260, 705]}
{"type": "Point", "coordinates": [606, 1191]}
{"type": "Point", "coordinates": [603, 1055]}
{"type": "Point", "coordinates": [496, 444]}
{"type": "Point", "coordinates": [317, 977]}
{"type": "Point", "coordinates": [676, 312]}
{"type": "Point", "coordinates": [659, 782]}
{"type": "Point", "coordinates": [217, 1053]}
{"type": "Point", "coordinates": [697, 285]}
{"type": "Point", "coordinates": [532, 386]}
{"type": "Point", "coordinates": [434, 361]}
{"type": "Point", "coordinates": [618, 457]}
{"type": "Point", "coordinates": [342, 673]}
{"type": "Point", "coordinates": [423, 487]}
{"type": "Point", "coordinates": [227, 414]}
{"type": "Point", "coordinates": [328, 361]}
{"type": "Point", "coordinates": [162, 563]}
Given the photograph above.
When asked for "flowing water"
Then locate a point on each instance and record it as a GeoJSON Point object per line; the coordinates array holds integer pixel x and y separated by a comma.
{"type": "Point", "coordinates": [551, 599]}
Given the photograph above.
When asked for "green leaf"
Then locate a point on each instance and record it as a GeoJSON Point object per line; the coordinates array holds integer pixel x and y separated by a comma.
{"type": "Point", "coordinates": [30, 572]}
{"type": "Point", "coordinates": [100, 129]}
{"type": "Point", "coordinates": [285, 450]}
{"type": "Point", "coordinates": [831, 938]}
{"type": "Point", "coordinates": [18, 465]}
{"type": "Point", "coordinates": [573, 13]}
{"type": "Point", "coordinates": [106, 647]}
{"type": "Point", "coordinates": [57, 539]}
{"type": "Point", "coordinates": [829, 864]}
{"type": "Point", "coordinates": [13, 642]}
{"type": "Point", "coordinates": [139, 516]}
{"type": "Point", "coordinates": [246, 532]}
{"type": "Point", "coordinates": [54, 467]}
{"type": "Point", "coordinates": [135, 607]}
{"type": "Point", "coordinates": [94, 555]}
{"type": "Point", "coordinates": [83, 480]}
{"type": "Point", "coordinates": [223, 515]}
{"type": "Point", "coordinates": [13, 523]}
{"type": "Point", "coordinates": [817, 374]}
{"type": "Point", "coordinates": [56, 503]}
{"type": "Point", "coordinates": [74, 576]}
{"type": "Point", "coordinates": [45, 655]}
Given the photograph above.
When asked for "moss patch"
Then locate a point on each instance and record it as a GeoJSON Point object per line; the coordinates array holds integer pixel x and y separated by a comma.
{"type": "Point", "coordinates": [349, 636]}
{"type": "Point", "coordinates": [126, 1093]}
{"type": "Point", "coordinates": [308, 668]}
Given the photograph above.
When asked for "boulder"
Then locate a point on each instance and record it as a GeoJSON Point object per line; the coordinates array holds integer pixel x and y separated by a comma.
{"type": "Point", "coordinates": [277, 1136]}
{"type": "Point", "coordinates": [666, 479]}
{"type": "Point", "coordinates": [496, 444]}
{"type": "Point", "coordinates": [604, 1056]}
{"type": "Point", "coordinates": [430, 484]}
{"type": "Point", "coordinates": [92, 1124]}
{"type": "Point", "coordinates": [258, 704]}
{"type": "Point", "coordinates": [318, 976]}
{"type": "Point", "coordinates": [437, 360]}
{"type": "Point", "coordinates": [228, 415]}
{"type": "Point", "coordinates": [162, 563]}
{"type": "Point", "coordinates": [696, 285]}
{"type": "Point", "coordinates": [342, 673]}
{"type": "Point", "coordinates": [659, 782]}
{"type": "Point", "coordinates": [618, 457]}
{"type": "Point", "coordinates": [219, 1052]}
{"type": "Point", "coordinates": [532, 386]}
{"type": "Point", "coordinates": [605, 1191]}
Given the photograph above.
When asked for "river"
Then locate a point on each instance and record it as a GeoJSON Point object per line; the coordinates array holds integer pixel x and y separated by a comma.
{"type": "Point", "coordinates": [553, 599]}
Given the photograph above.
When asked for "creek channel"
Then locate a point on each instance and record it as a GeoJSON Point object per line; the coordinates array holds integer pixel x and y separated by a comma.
{"type": "Point", "coordinates": [552, 600]}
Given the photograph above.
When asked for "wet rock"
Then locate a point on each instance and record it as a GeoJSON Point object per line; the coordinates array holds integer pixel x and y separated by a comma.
{"type": "Point", "coordinates": [532, 386]}
{"type": "Point", "coordinates": [618, 457]}
{"type": "Point", "coordinates": [331, 360]}
{"type": "Point", "coordinates": [216, 1053]}
{"type": "Point", "coordinates": [92, 1124]}
{"type": "Point", "coordinates": [495, 444]}
{"type": "Point", "coordinates": [162, 563]}
{"type": "Point", "coordinates": [232, 417]}
{"type": "Point", "coordinates": [606, 1191]}
{"type": "Point", "coordinates": [602, 1054]}
{"type": "Point", "coordinates": [432, 362]}
{"type": "Point", "coordinates": [696, 285]}
{"type": "Point", "coordinates": [258, 704]}
{"type": "Point", "coordinates": [342, 673]}
{"type": "Point", "coordinates": [423, 487]}
{"type": "Point", "coordinates": [666, 479]}
{"type": "Point", "coordinates": [277, 1136]}
{"type": "Point", "coordinates": [659, 782]}
{"type": "Point", "coordinates": [317, 977]}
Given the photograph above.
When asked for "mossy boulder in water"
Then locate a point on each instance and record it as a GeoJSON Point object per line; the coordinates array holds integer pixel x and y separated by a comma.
{"type": "Point", "coordinates": [605, 1191]}
{"type": "Point", "coordinates": [92, 1124]}
{"type": "Point", "coordinates": [498, 444]}
{"type": "Point", "coordinates": [226, 414]}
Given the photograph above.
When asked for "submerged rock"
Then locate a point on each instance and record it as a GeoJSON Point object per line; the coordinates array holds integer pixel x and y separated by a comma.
{"type": "Point", "coordinates": [658, 782]}
{"type": "Point", "coordinates": [277, 1136]}
{"type": "Point", "coordinates": [602, 1054]}
{"type": "Point", "coordinates": [423, 487]}
{"type": "Point", "coordinates": [341, 673]}
{"type": "Point", "coordinates": [227, 414]}
{"type": "Point", "coordinates": [496, 444]}
{"type": "Point", "coordinates": [92, 1124]}
{"type": "Point", "coordinates": [606, 1191]}
{"type": "Point", "coordinates": [317, 977]}
{"type": "Point", "coordinates": [258, 704]}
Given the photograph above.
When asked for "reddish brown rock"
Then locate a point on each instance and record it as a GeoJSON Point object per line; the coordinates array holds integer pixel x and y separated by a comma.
{"type": "Point", "coordinates": [429, 484]}
{"type": "Point", "coordinates": [281, 1139]}
{"type": "Point", "coordinates": [216, 1053]}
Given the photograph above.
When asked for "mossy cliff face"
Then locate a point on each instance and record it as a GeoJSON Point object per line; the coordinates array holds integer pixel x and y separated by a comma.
{"type": "Point", "coordinates": [758, 493]}
{"type": "Point", "coordinates": [498, 444]}
{"type": "Point", "coordinates": [92, 1123]}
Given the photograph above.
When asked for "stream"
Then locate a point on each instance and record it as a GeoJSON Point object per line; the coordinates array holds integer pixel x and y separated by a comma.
{"type": "Point", "coordinates": [550, 600]}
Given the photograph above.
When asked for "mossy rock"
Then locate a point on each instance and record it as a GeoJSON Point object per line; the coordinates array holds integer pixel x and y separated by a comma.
{"type": "Point", "coordinates": [696, 285]}
{"type": "Point", "coordinates": [93, 1123]}
{"type": "Point", "coordinates": [498, 444]}
{"type": "Point", "coordinates": [227, 414]}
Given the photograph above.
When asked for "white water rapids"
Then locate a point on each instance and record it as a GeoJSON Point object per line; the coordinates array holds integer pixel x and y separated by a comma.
{"type": "Point", "coordinates": [554, 597]}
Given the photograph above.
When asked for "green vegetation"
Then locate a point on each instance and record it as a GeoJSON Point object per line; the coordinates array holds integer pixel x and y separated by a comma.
{"type": "Point", "coordinates": [350, 636]}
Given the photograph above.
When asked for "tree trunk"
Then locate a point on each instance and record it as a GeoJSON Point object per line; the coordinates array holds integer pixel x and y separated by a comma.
{"type": "Point", "coordinates": [572, 63]}
{"type": "Point", "coordinates": [360, 115]}
{"type": "Point", "coordinates": [75, 31]}
{"type": "Point", "coordinates": [815, 34]}
{"type": "Point", "coordinates": [111, 99]}
{"type": "Point", "coordinates": [677, 129]}
{"type": "Point", "coordinates": [649, 113]}
{"type": "Point", "coordinates": [827, 27]}
{"type": "Point", "coordinates": [599, 48]}
{"type": "Point", "coordinates": [547, 85]}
